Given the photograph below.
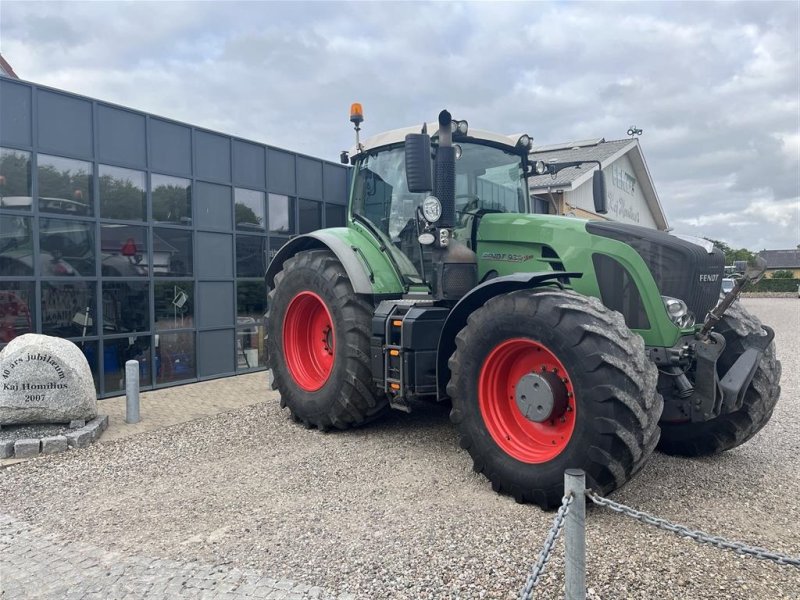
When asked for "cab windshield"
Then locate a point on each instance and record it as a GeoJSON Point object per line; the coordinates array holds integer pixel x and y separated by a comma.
{"type": "Point", "coordinates": [487, 179]}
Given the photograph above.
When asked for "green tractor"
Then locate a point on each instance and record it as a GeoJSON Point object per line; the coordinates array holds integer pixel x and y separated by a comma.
{"type": "Point", "coordinates": [559, 342]}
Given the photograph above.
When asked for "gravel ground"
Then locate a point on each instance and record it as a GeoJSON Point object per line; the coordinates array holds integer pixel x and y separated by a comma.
{"type": "Point", "coordinates": [393, 510]}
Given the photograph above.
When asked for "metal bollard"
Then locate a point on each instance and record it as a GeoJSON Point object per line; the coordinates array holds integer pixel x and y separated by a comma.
{"type": "Point", "coordinates": [132, 391]}
{"type": "Point", "coordinates": [575, 535]}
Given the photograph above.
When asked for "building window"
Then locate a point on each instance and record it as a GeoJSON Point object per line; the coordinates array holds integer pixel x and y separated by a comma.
{"type": "Point", "coordinates": [16, 246]}
{"type": "Point", "coordinates": [126, 307]}
{"type": "Point", "coordinates": [540, 205]}
{"type": "Point", "coordinates": [69, 309]}
{"type": "Point", "coordinates": [66, 247]}
{"type": "Point", "coordinates": [334, 215]}
{"type": "Point", "coordinates": [15, 179]}
{"type": "Point", "coordinates": [16, 310]}
{"type": "Point", "coordinates": [116, 352]}
{"type": "Point", "coordinates": [310, 216]}
{"type": "Point", "coordinates": [174, 305]}
{"type": "Point", "coordinates": [65, 185]}
{"type": "Point", "coordinates": [281, 214]}
{"type": "Point", "coordinates": [251, 301]}
{"type": "Point", "coordinates": [172, 199]}
{"type": "Point", "coordinates": [124, 249]}
{"type": "Point", "coordinates": [172, 252]}
{"type": "Point", "coordinates": [275, 244]}
{"type": "Point", "coordinates": [251, 257]}
{"type": "Point", "coordinates": [175, 357]}
{"type": "Point", "coordinates": [122, 194]}
{"type": "Point", "coordinates": [249, 210]}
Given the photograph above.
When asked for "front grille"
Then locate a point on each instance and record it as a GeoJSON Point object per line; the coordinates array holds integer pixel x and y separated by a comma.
{"type": "Point", "coordinates": [681, 269]}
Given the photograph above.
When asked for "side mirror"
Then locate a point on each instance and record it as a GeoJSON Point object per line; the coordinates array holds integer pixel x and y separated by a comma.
{"type": "Point", "coordinates": [419, 175]}
{"type": "Point", "coordinates": [599, 192]}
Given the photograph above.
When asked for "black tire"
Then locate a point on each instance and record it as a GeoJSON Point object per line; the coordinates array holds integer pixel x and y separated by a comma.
{"type": "Point", "coordinates": [348, 397]}
{"type": "Point", "coordinates": [732, 429]}
{"type": "Point", "coordinates": [615, 423]}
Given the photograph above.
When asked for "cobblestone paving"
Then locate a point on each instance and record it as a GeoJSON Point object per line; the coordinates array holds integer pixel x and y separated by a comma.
{"type": "Point", "coordinates": [38, 565]}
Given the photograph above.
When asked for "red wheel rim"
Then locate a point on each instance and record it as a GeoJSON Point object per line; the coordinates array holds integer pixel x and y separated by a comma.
{"type": "Point", "coordinates": [523, 439]}
{"type": "Point", "coordinates": [308, 341]}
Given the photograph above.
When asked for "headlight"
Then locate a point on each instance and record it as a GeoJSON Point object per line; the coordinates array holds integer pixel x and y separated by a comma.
{"type": "Point", "coordinates": [539, 167]}
{"type": "Point", "coordinates": [431, 209]}
{"type": "Point", "coordinates": [678, 312]}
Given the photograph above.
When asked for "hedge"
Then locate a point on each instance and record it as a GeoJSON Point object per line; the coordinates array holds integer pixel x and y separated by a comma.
{"type": "Point", "coordinates": [774, 285]}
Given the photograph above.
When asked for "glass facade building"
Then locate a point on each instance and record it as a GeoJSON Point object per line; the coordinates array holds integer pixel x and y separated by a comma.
{"type": "Point", "coordinates": [138, 237]}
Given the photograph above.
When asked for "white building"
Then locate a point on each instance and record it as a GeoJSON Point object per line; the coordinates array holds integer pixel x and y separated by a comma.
{"type": "Point", "coordinates": [632, 197]}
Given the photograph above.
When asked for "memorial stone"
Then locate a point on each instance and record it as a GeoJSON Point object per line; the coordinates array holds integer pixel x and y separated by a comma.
{"type": "Point", "coordinates": [45, 379]}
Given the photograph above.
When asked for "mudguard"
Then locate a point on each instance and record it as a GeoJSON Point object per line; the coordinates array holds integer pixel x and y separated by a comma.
{"type": "Point", "coordinates": [476, 298]}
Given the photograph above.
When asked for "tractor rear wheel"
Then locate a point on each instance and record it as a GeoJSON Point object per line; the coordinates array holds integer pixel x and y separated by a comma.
{"type": "Point", "coordinates": [546, 380]}
{"type": "Point", "coordinates": [732, 429]}
{"type": "Point", "coordinates": [318, 343]}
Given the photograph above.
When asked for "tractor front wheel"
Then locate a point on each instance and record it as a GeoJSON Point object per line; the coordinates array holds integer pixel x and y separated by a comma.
{"type": "Point", "coordinates": [318, 343]}
{"type": "Point", "coordinates": [546, 380]}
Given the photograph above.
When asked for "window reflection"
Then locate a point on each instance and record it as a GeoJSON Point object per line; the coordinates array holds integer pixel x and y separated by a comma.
{"type": "Point", "coordinates": [251, 301]}
{"type": "Point", "coordinates": [281, 214]}
{"type": "Point", "coordinates": [334, 215]}
{"type": "Point", "coordinates": [250, 347]}
{"type": "Point", "coordinates": [172, 199]}
{"type": "Point", "coordinates": [124, 249]}
{"type": "Point", "coordinates": [116, 352]}
{"type": "Point", "coordinates": [126, 307]}
{"type": "Point", "coordinates": [249, 209]}
{"type": "Point", "coordinates": [122, 194]}
{"type": "Point", "coordinates": [16, 310]}
{"type": "Point", "coordinates": [66, 247]}
{"type": "Point", "coordinates": [275, 244]}
{"type": "Point", "coordinates": [16, 247]}
{"type": "Point", "coordinates": [65, 185]}
{"type": "Point", "coordinates": [68, 309]}
{"type": "Point", "coordinates": [175, 357]}
{"type": "Point", "coordinates": [174, 304]}
{"type": "Point", "coordinates": [172, 252]}
{"type": "Point", "coordinates": [251, 255]}
{"type": "Point", "coordinates": [15, 179]}
{"type": "Point", "coordinates": [310, 216]}
{"type": "Point", "coordinates": [89, 350]}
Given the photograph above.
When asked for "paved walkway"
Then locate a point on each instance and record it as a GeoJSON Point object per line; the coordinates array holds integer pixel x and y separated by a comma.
{"type": "Point", "coordinates": [36, 564]}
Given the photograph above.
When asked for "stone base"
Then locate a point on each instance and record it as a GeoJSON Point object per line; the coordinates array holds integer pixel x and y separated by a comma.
{"type": "Point", "coordinates": [30, 447]}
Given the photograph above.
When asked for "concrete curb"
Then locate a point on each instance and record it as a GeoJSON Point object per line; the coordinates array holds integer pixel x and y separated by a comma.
{"type": "Point", "coordinates": [78, 438]}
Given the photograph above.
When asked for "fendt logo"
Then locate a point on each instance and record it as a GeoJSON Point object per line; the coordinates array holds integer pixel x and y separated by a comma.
{"type": "Point", "coordinates": [705, 278]}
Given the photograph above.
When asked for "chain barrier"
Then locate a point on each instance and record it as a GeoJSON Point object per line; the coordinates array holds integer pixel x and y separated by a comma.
{"type": "Point", "coordinates": [698, 536]}
{"type": "Point", "coordinates": [547, 548]}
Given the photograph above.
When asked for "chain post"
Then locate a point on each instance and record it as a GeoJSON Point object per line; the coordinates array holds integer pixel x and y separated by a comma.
{"type": "Point", "coordinates": [575, 535]}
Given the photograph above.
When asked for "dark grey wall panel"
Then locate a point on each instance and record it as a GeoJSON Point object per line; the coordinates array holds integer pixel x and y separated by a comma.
{"type": "Point", "coordinates": [215, 352]}
{"type": "Point", "coordinates": [65, 124]}
{"type": "Point", "coordinates": [15, 113]}
{"type": "Point", "coordinates": [215, 306]}
{"type": "Point", "coordinates": [334, 180]}
{"type": "Point", "coordinates": [170, 148]}
{"type": "Point", "coordinates": [213, 206]}
{"type": "Point", "coordinates": [212, 156]}
{"type": "Point", "coordinates": [280, 172]}
{"type": "Point", "coordinates": [249, 165]}
{"type": "Point", "coordinates": [121, 137]}
{"type": "Point", "coordinates": [214, 258]}
{"type": "Point", "coordinates": [309, 178]}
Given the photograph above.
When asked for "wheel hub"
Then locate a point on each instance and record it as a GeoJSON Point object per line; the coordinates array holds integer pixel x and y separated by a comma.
{"type": "Point", "coordinates": [540, 397]}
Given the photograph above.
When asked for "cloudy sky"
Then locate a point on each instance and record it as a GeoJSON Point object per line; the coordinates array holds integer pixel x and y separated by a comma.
{"type": "Point", "coordinates": [714, 86]}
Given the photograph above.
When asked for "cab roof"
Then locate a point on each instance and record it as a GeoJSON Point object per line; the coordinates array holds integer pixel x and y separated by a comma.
{"type": "Point", "coordinates": [396, 136]}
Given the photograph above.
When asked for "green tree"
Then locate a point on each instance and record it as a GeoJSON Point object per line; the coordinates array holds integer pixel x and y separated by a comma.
{"type": "Point", "coordinates": [15, 173]}
{"type": "Point", "coordinates": [783, 274]}
{"type": "Point", "coordinates": [172, 203]}
{"type": "Point", "coordinates": [121, 199]}
{"type": "Point", "coordinates": [245, 214]}
{"type": "Point", "coordinates": [732, 254]}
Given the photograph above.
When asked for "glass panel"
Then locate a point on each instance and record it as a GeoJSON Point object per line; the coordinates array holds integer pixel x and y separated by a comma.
{"type": "Point", "coordinates": [334, 215]}
{"type": "Point", "coordinates": [124, 249]}
{"type": "Point", "coordinates": [126, 307]}
{"type": "Point", "coordinates": [172, 252]}
{"type": "Point", "coordinates": [68, 309]}
{"type": "Point", "coordinates": [281, 214]}
{"type": "Point", "coordinates": [275, 244]}
{"type": "Point", "coordinates": [116, 352]}
{"type": "Point", "coordinates": [174, 304]}
{"type": "Point", "coordinates": [122, 194]}
{"type": "Point", "coordinates": [172, 199]}
{"type": "Point", "coordinates": [15, 179]}
{"type": "Point", "coordinates": [251, 258]}
{"type": "Point", "coordinates": [310, 216]}
{"type": "Point", "coordinates": [89, 350]}
{"type": "Point", "coordinates": [66, 247]}
{"type": "Point", "coordinates": [250, 347]}
{"type": "Point", "coordinates": [251, 301]}
{"type": "Point", "coordinates": [16, 310]}
{"type": "Point", "coordinates": [175, 359]}
{"type": "Point", "coordinates": [16, 246]}
{"type": "Point", "coordinates": [249, 209]}
{"type": "Point", "coordinates": [65, 185]}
